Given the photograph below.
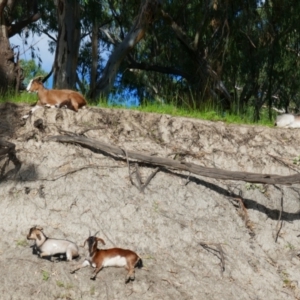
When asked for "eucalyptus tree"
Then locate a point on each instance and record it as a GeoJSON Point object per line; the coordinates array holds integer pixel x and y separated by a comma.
{"type": "Point", "coordinates": [178, 54]}
{"type": "Point", "coordinates": [68, 42]}
{"type": "Point", "coordinates": [14, 16]}
{"type": "Point", "coordinates": [31, 70]}
{"type": "Point", "coordinates": [260, 67]}
{"type": "Point", "coordinates": [144, 18]}
{"type": "Point", "coordinates": [233, 54]}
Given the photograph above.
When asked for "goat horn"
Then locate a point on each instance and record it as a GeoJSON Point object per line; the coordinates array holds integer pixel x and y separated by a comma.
{"type": "Point", "coordinates": [95, 233]}
{"type": "Point", "coordinates": [84, 243]}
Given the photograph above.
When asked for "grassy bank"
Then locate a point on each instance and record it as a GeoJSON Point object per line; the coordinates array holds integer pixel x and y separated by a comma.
{"type": "Point", "coordinates": [205, 114]}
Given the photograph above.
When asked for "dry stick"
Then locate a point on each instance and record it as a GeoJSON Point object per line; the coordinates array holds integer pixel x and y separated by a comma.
{"type": "Point", "coordinates": [128, 164]}
{"type": "Point", "coordinates": [141, 187]}
{"type": "Point", "coordinates": [92, 128]}
{"type": "Point", "coordinates": [283, 162]}
{"type": "Point", "coordinates": [279, 222]}
{"type": "Point", "coordinates": [149, 178]}
{"type": "Point", "coordinates": [180, 165]}
{"type": "Point", "coordinates": [138, 177]}
{"type": "Point", "coordinates": [70, 172]}
{"type": "Point", "coordinates": [218, 250]}
{"type": "Point", "coordinates": [67, 132]}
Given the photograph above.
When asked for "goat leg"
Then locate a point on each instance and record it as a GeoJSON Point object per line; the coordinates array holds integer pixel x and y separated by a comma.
{"type": "Point", "coordinates": [97, 270]}
{"type": "Point", "coordinates": [45, 254]}
{"type": "Point", "coordinates": [83, 265]}
{"type": "Point", "coordinates": [130, 275]}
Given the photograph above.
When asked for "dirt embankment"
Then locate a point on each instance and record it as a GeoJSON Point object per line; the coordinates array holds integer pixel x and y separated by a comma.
{"type": "Point", "coordinates": [197, 238]}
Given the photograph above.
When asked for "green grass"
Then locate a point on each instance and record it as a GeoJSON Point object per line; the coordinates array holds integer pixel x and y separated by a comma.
{"type": "Point", "coordinates": [204, 114]}
{"type": "Point", "coordinates": [207, 113]}
{"type": "Point", "coordinates": [22, 243]}
{"type": "Point", "coordinates": [23, 97]}
{"type": "Point", "coordinates": [45, 275]}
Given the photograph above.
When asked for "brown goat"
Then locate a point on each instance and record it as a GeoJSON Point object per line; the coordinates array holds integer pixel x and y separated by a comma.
{"type": "Point", "coordinates": [54, 98]}
{"type": "Point", "coordinates": [114, 257]}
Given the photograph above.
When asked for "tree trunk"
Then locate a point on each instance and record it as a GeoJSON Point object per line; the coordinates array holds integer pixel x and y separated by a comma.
{"type": "Point", "coordinates": [94, 65]}
{"type": "Point", "coordinates": [7, 65]}
{"type": "Point", "coordinates": [145, 17]}
{"type": "Point", "coordinates": [67, 48]}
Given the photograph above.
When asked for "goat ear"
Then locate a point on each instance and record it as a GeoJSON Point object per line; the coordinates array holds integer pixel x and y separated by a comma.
{"type": "Point", "coordinates": [38, 78]}
{"type": "Point", "coordinates": [100, 240]}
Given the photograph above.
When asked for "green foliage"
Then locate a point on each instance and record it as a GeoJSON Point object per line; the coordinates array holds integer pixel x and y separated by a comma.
{"type": "Point", "coordinates": [45, 275]}
{"type": "Point", "coordinates": [92, 290]}
{"type": "Point", "coordinates": [60, 283]}
{"type": "Point", "coordinates": [22, 97]}
{"type": "Point", "coordinates": [64, 285]}
{"type": "Point", "coordinates": [296, 161]}
{"type": "Point", "coordinates": [251, 46]}
{"type": "Point", "coordinates": [255, 186]}
{"type": "Point", "coordinates": [31, 70]}
{"type": "Point", "coordinates": [22, 243]}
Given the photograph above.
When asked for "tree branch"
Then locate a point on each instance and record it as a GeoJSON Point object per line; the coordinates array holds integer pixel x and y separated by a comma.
{"type": "Point", "coordinates": [145, 17]}
{"type": "Point", "coordinates": [180, 165]}
{"type": "Point", "coordinates": [181, 35]}
{"type": "Point", "coordinates": [49, 36]}
{"type": "Point", "coordinates": [156, 68]}
{"type": "Point", "coordinates": [16, 28]}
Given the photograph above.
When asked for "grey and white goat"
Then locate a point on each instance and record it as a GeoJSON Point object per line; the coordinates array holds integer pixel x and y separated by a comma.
{"type": "Point", "coordinates": [288, 121]}
{"type": "Point", "coordinates": [48, 246]}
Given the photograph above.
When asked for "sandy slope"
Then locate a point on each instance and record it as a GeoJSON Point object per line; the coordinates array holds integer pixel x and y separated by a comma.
{"type": "Point", "coordinates": [70, 190]}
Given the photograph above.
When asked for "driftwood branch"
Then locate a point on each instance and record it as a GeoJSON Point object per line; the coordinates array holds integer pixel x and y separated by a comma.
{"type": "Point", "coordinates": [180, 165]}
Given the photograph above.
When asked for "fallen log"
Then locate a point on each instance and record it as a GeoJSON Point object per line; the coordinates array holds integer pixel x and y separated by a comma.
{"type": "Point", "coordinates": [179, 165]}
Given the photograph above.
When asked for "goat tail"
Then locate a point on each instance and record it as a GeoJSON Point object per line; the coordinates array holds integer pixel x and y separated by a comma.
{"type": "Point", "coordinates": [139, 263]}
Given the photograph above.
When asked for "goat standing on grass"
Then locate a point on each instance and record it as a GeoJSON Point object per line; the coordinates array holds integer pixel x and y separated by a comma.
{"type": "Point", "coordinates": [48, 246]}
{"type": "Point", "coordinates": [54, 98]}
{"type": "Point", "coordinates": [114, 257]}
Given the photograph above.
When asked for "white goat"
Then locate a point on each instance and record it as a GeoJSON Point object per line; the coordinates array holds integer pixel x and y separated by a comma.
{"type": "Point", "coordinates": [54, 98]}
{"type": "Point", "coordinates": [287, 121]}
{"type": "Point", "coordinates": [48, 246]}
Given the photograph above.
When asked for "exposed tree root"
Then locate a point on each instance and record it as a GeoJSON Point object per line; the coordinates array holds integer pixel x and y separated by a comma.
{"type": "Point", "coordinates": [218, 252]}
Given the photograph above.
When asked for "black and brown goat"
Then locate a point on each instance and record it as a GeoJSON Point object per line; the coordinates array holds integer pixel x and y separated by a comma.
{"type": "Point", "coordinates": [114, 257]}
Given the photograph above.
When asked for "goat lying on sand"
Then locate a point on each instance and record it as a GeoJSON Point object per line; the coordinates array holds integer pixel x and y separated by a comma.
{"type": "Point", "coordinates": [48, 246]}
{"type": "Point", "coordinates": [114, 257]}
{"type": "Point", "coordinates": [287, 121]}
{"type": "Point", "coordinates": [54, 98]}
